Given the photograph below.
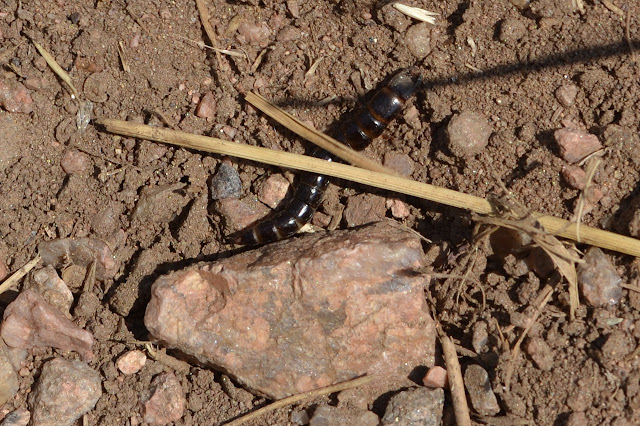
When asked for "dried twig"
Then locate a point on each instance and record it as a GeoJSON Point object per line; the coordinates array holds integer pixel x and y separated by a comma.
{"type": "Point", "coordinates": [456, 384]}
{"type": "Point", "coordinates": [17, 275]}
{"type": "Point", "coordinates": [300, 397]}
{"type": "Point", "coordinates": [552, 225]}
{"type": "Point", "coordinates": [56, 68]}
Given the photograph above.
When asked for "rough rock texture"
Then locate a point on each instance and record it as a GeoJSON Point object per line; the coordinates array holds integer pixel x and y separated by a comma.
{"type": "Point", "coordinates": [29, 321]}
{"type": "Point", "coordinates": [417, 406]}
{"type": "Point", "coordinates": [64, 392]}
{"type": "Point", "coordinates": [80, 251]}
{"type": "Point", "coordinates": [303, 313]}
{"type": "Point", "coordinates": [52, 288]}
{"type": "Point", "coordinates": [598, 279]}
{"type": "Point", "coordinates": [19, 417]}
{"type": "Point", "coordinates": [574, 145]}
{"type": "Point", "coordinates": [164, 401]}
{"type": "Point", "coordinates": [483, 400]}
{"type": "Point", "coordinates": [8, 377]}
{"type": "Point", "coordinates": [326, 415]}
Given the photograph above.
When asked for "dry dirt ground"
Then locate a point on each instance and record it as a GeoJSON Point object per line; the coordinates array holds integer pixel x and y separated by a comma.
{"type": "Point", "coordinates": [486, 56]}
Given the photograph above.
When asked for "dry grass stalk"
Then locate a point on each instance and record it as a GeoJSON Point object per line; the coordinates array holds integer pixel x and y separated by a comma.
{"type": "Point", "coordinates": [613, 8]}
{"type": "Point", "coordinates": [56, 68]}
{"type": "Point", "coordinates": [125, 65]}
{"type": "Point", "coordinates": [162, 357]}
{"type": "Point", "coordinates": [301, 397]}
{"type": "Point", "coordinates": [416, 13]}
{"type": "Point", "coordinates": [456, 384]}
{"type": "Point", "coordinates": [555, 226]}
{"type": "Point", "coordinates": [17, 275]}
{"type": "Point", "coordinates": [592, 166]}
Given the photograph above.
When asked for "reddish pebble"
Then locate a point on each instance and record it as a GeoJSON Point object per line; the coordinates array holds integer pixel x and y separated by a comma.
{"type": "Point", "coordinates": [164, 401]}
{"type": "Point", "coordinates": [15, 97]}
{"type": "Point", "coordinates": [254, 33]}
{"type": "Point", "coordinates": [598, 279]}
{"type": "Point", "coordinates": [574, 145]}
{"type": "Point", "coordinates": [273, 190]}
{"type": "Point", "coordinates": [436, 377]}
{"type": "Point", "coordinates": [131, 362]}
{"type": "Point", "coordinates": [566, 94]}
{"type": "Point", "coordinates": [239, 214]}
{"type": "Point", "coordinates": [575, 176]}
{"type": "Point", "coordinates": [468, 134]}
{"type": "Point", "coordinates": [399, 209]}
{"type": "Point", "coordinates": [399, 162]}
{"type": "Point", "coordinates": [75, 161]}
{"type": "Point", "coordinates": [207, 106]}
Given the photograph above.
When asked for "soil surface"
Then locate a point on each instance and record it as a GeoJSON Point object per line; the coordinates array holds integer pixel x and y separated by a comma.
{"type": "Point", "coordinates": [491, 58]}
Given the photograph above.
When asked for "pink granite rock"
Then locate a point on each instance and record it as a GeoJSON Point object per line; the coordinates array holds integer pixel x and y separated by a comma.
{"type": "Point", "coordinates": [80, 251]}
{"type": "Point", "coordinates": [164, 401]}
{"type": "Point", "coordinates": [574, 145]}
{"type": "Point", "coordinates": [304, 313]}
{"type": "Point", "coordinates": [29, 321]}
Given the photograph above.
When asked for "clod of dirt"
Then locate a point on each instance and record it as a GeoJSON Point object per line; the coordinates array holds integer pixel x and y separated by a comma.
{"type": "Point", "coordinates": [480, 338]}
{"type": "Point", "coordinates": [575, 176]}
{"type": "Point", "coordinates": [540, 353]}
{"type": "Point", "coordinates": [436, 377]}
{"type": "Point", "coordinates": [254, 34]}
{"type": "Point", "coordinates": [52, 288]}
{"type": "Point", "coordinates": [273, 190]}
{"type": "Point", "coordinates": [483, 400]}
{"type": "Point", "coordinates": [74, 161]}
{"type": "Point", "coordinates": [418, 40]}
{"type": "Point", "coordinates": [468, 134]}
{"type": "Point", "coordinates": [422, 406]}
{"type": "Point", "coordinates": [207, 106]}
{"type": "Point", "coordinates": [131, 362]}
{"type": "Point", "coordinates": [329, 415]}
{"type": "Point", "coordinates": [511, 31]}
{"type": "Point", "coordinates": [164, 401]}
{"type": "Point", "coordinates": [14, 97]}
{"type": "Point", "coordinates": [566, 94]}
{"type": "Point", "coordinates": [64, 392]}
{"type": "Point", "coordinates": [322, 303]}
{"type": "Point", "coordinates": [574, 144]}
{"type": "Point", "coordinates": [598, 280]}
{"type": "Point", "coordinates": [81, 252]}
{"type": "Point", "coordinates": [363, 209]}
{"type": "Point", "coordinates": [29, 321]}
{"type": "Point", "coordinates": [8, 378]}
{"type": "Point", "coordinates": [226, 183]}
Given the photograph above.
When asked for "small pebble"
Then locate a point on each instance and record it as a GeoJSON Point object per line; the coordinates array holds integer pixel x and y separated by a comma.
{"type": "Point", "coordinates": [52, 288]}
{"type": "Point", "coordinates": [480, 338]}
{"type": "Point", "coordinates": [511, 31]}
{"type": "Point", "coordinates": [238, 214]}
{"type": "Point", "coordinates": [540, 353]}
{"type": "Point", "coordinates": [580, 400]}
{"type": "Point", "coordinates": [399, 162]}
{"type": "Point", "coordinates": [399, 209]}
{"type": "Point", "coordinates": [577, 419]}
{"type": "Point", "coordinates": [483, 400]}
{"type": "Point", "coordinates": [574, 145]}
{"type": "Point", "coordinates": [255, 34]}
{"type": "Point", "coordinates": [15, 97]}
{"type": "Point", "coordinates": [19, 417]}
{"type": "Point", "coordinates": [131, 362]}
{"type": "Point", "coordinates": [226, 183]}
{"type": "Point", "coordinates": [8, 377]}
{"type": "Point", "coordinates": [566, 94]}
{"type": "Point", "coordinates": [75, 161]}
{"type": "Point", "coordinates": [417, 406]}
{"type": "Point", "coordinates": [436, 377]}
{"type": "Point", "coordinates": [418, 40]}
{"type": "Point", "coordinates": [164, 401]}
{"type": "Point", "coordinates": [273, 190]}
{"type": "Point", "coordinates": [64, 392]}
{"type": "Point", "coordinates": [468, 134]}
{"type": "Point", "coordinates": [574, 176]}
{"type": "Point", "coordinates": [598, 280]}
{"type": "Point", "coordinates": [207, 106]}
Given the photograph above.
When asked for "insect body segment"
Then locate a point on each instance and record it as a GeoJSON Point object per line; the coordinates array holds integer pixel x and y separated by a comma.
{"type": "Point", "coordinates": [367, 125]}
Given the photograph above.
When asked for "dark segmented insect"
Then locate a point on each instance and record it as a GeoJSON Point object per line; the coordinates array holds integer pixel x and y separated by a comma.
{"type": "Point", "coordinates": [365, 126]}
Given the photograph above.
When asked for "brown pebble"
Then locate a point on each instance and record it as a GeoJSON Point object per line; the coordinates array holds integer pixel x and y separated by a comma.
{"type": "Point", "coordinates": [574, 145]}
{"type": "Point", "coordinates": [566, 94]}
{"type": "Point", "coordinates": [598, 280]}
{"type": "Point", "coordinates": [468, 134]}
{"type": "Point", "coordinates": [399, 209]}
{"type": "Point", "coordinates": [52, 288]}
{"type": "Point", "coordinates": [399, 162]}
{"type": "Point", "coordinates": [574, 176]}
{"type": "Point", "coordinates": [164, 401]}
{"type": "Point", "coordinates": [131, 362]}
{"type": "Point", "coordinates": [64, 392]}
{"type": "Point", "coordinates": [483, 400]}
{"type": "Point", "coordinates": [480, 338]}
{"type": "Point", "coordinates": [4, 271]}
{"type": "Point", "coordinates": [238, 214]}
{"type": "Point", "coordinates": [15, 97]}
{"type": "Point", "coordinates": [75, 161]}
{"type": "Point", "coordinates": [273, 190]}
{"type": "Point", "coordinates": [511, 31]}
{"type": "Point", "coordinates": [207, 106]}
{"type": "Point", "coordinates": [418, 40]}
{"type": "Point", "coordinates": [255, 34]}
{"type": "Point", "coordinates": [436, 377]}
{"type": "Point", "coordinates": [330, 415]}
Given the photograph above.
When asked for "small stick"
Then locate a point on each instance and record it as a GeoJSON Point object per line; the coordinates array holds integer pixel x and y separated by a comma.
{"type": "Point", "coordinates": [125, 65]}
{"type": "Point", "coordinates": [56, 68]}
{"type": "Point", "coordinates": [17, 275]}
{"type": "Point", "coordinates": [456, 384]}
{"type": "Point", "coordinates": [300, 397]}
{"type": "Point", "coordinates": [553, 225]}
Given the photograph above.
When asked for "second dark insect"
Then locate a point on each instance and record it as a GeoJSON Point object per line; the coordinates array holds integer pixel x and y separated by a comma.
{"type": "Point", "coordinates": [365, 126]}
